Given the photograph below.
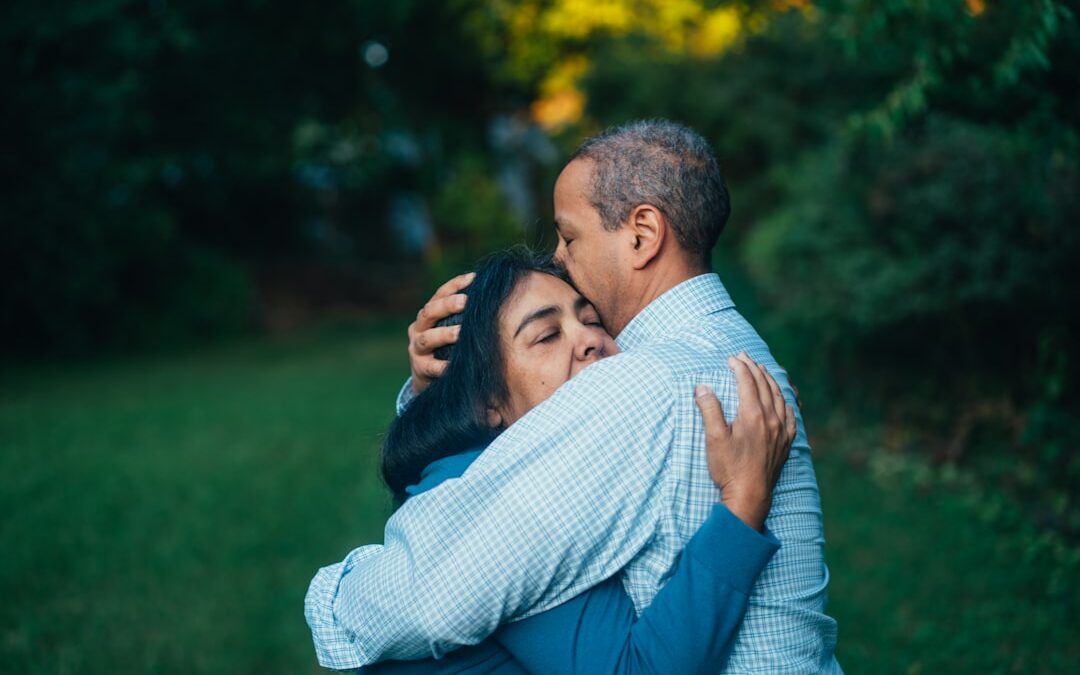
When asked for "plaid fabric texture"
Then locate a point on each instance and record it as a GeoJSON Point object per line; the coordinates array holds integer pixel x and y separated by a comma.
{"type": "Point", "coordinates": [607, 476]}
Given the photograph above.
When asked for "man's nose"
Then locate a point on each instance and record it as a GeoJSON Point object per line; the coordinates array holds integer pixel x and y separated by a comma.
{"type": "Point", "coordinates": [560, 252]}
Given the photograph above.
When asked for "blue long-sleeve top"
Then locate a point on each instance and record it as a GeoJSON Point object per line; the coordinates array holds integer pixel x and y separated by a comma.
{"type": "Point", "coordinates": [689, 627]}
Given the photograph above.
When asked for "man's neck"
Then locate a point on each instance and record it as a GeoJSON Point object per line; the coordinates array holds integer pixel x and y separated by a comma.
{"type": "Point", "coordinates": [652, 287]}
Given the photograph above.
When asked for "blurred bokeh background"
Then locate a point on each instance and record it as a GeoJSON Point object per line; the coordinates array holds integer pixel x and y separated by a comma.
{"type": "Point", "coordinates": [216, 219]}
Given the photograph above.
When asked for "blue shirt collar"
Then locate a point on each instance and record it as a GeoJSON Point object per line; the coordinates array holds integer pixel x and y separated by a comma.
{"type": "Point", "coordinates": [688, 302]}
{"type": "Point", "coordinates": [443, 469]}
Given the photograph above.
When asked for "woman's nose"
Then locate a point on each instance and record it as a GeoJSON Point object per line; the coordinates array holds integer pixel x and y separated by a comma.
{"type": "Point", "coordinates": [590, 344]}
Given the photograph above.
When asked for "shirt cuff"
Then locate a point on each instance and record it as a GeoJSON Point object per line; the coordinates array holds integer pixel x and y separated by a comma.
{"type": "Point", "coordinates": [732, 549]}
{"type": "Point", "coordinates": [405, 396]}
{"type": "Point", "coordinates": [336, 647]}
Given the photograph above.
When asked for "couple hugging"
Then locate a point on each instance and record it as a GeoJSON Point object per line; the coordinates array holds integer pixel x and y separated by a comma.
{"type": "Point", "coordinates": [571, 496]}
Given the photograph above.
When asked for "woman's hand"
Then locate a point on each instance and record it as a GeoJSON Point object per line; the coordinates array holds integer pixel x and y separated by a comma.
{"type": "Point", "coordinates": [746, 457]}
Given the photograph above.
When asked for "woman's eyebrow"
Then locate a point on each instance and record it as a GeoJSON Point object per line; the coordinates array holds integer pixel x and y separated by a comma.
{"type": "Point", "coordinates": [541, 313]}
{"type": "Point", "coordinates": [581, 303]}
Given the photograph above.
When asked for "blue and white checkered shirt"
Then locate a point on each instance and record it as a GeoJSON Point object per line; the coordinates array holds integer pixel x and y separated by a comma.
{"type": "Point", "coordinates": [607, 475]}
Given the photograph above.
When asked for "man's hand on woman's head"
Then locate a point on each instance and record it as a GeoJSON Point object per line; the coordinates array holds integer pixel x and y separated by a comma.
{"type": "Point", "coordinates": [425, 336]}
{"type": "Point", "coordinates": [746, 457]}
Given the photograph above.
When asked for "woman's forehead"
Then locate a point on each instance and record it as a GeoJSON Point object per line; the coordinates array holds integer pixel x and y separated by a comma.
{"type": "Point", "coordinates": [539, 286]}
{"type": "Point", "coordinates": [537, 291]}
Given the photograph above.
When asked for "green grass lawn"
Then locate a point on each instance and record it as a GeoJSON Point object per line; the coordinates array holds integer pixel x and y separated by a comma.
{"type": "Point", "coordinates": [164, 514]}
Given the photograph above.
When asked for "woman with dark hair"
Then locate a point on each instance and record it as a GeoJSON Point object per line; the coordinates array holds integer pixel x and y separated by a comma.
{"type": "Point", "coordinates": [468, 406]}
{"type": "Point", "coordinates": [524, 332]}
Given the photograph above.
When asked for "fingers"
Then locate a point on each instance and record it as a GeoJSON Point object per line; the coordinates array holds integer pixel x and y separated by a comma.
{"type": "Point", "coordinates": [436, 310]}
{"type": "Point", "coordinates": [782, 450]}
{"type": "Point", "coordinates": [447, 300]}
{"type": "Point", "coordinates": [779, 405]}
{"type": "Point", "coordinates": [432, 368]}
{"type": "Point", "coordinates": [425, 366]}
{"type": "Point", "coordinates": [716, 427]}
{"type": "Point", "coordinates": [433, 338]}
{"type": "Point", "coordinates": [425, 336]}
{"type": "Point", "coordinates": [789, 425]}
{"type": "Point", "coordinates": [763, 392]}
{"type": "Point", "coordinates": [746, 387]}
{"type": "Point", "coordinates": [791, 383]}
{"type": "Point", "coordinates": [454, 285]}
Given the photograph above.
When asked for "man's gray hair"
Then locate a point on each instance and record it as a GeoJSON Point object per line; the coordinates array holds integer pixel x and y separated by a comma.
{"type": "Point", "coordinates": [666, 165]}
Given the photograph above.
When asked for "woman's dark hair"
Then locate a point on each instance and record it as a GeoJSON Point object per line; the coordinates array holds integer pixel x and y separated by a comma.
{"type": "Point", "coordinates": [450, 416]}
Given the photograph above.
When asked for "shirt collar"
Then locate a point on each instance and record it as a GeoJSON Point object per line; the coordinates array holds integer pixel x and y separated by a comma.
{"type": "Point", "coordinates": [691, 300]}
{"type": "Point", "coordinates": [443, 469]}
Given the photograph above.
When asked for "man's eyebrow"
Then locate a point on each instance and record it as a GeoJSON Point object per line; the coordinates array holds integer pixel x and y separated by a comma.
{"type": "Point", "coordinates": [541, 313]}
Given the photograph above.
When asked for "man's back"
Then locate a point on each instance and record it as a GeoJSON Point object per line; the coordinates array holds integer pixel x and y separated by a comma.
{"type": "Point", "coordinates": [687, 337]}
{"type": "Point", "coordinates": [608, 474]}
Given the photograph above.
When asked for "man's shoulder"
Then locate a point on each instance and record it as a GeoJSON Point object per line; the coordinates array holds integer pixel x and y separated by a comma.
{"type": "Point", "coordinates": [701, 346]}
{"type": "Point", "coordinates": [632, 373]}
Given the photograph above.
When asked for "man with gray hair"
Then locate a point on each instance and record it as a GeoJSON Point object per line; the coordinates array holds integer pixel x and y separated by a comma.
{"type": "Point", "coordinates": [609, 475]}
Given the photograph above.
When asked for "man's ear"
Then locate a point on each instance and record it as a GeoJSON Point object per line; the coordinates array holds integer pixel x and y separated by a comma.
{"type": "Point", "coordinates": [494, 418]}
{"type": "Point", "coordinates": [649, 228]}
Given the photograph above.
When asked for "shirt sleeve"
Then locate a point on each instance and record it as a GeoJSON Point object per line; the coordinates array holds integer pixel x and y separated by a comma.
{"type": "Point", "coordinates": [485, 658]}
{"type": "Point", "coordinates": [559, 502]}
{"type": "Point", "coordinates": [405, 396]}
{"type": "Point", "coordinates": [689, 627]}
{"type": "Point", "coordinates": [786, 628]}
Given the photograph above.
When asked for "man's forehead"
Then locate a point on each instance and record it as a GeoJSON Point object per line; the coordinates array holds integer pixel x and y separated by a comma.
{"type": "Point", "coordinates": [571, 193]}
{"type": "Point", "coordinates": [576, 175]}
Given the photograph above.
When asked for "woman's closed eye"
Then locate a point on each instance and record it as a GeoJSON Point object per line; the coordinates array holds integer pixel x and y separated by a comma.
{"type": "Point", "coordinates": [589, 317]}
{"type": "Point", "coordinates": [550, 336]}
